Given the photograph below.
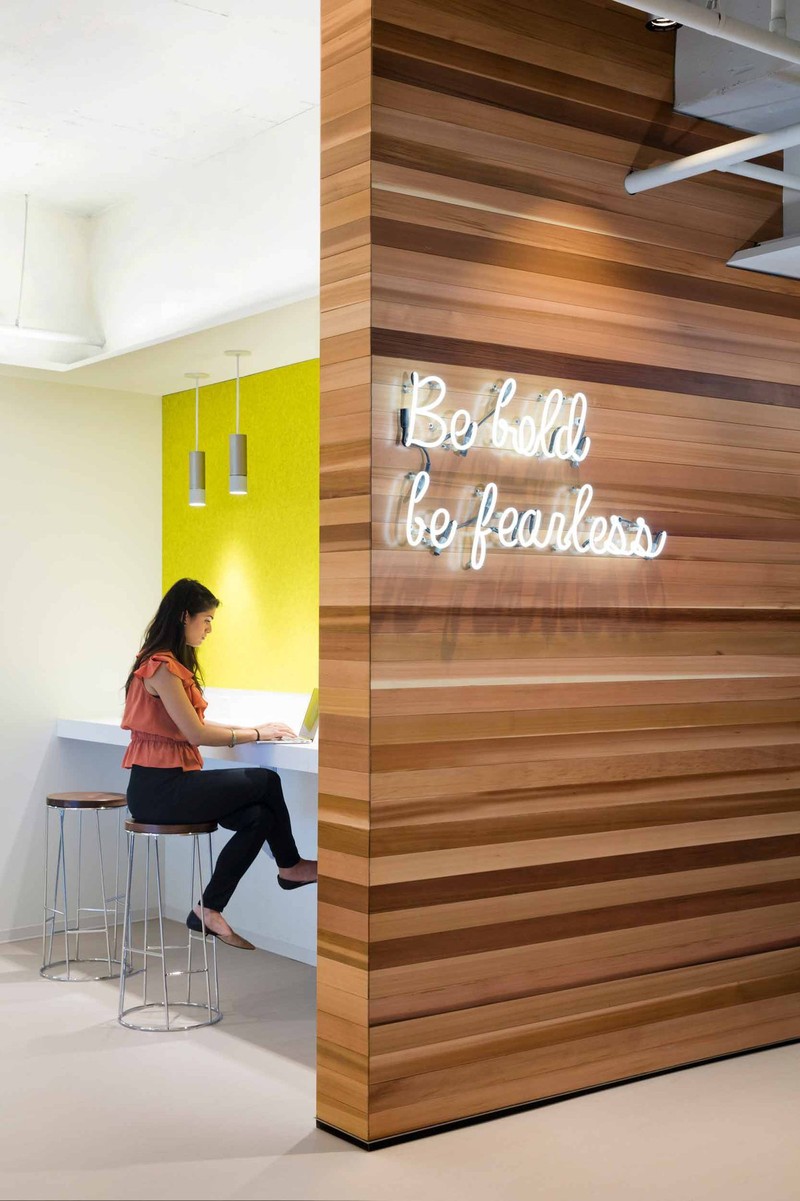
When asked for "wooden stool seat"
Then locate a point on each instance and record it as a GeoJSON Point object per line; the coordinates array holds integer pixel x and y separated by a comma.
{"type": "Point", "coordinates": [152, 828]}
{"type": "Point", "coordinates": [86, 800]}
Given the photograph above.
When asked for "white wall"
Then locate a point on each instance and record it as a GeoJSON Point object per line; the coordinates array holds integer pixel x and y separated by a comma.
{"type": "Point", "coordinates": [80, 564]}
{"type": "Point", "coordinates": [238, 232]}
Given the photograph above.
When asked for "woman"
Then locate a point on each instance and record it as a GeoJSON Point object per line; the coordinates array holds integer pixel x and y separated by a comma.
{"type": "Point", "coordinates": [164, 707]}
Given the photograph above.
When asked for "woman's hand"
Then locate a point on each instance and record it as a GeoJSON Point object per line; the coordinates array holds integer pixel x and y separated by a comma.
{"type": "Point", "coordinates": [275, 730]}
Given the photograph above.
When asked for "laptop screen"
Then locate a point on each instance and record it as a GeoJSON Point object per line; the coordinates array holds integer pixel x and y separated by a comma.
{"type": "Point", "coordinates": [311, 719]}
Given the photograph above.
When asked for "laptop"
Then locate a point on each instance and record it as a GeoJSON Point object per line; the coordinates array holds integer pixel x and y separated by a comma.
{"type": "Point", "coordinates": [308, 730]}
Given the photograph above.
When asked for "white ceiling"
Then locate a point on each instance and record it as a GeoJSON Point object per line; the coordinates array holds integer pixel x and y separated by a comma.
{"type": "Point", "coordinates": [170, 153]}
{"type": "Point", "coordinates": [100, 98]}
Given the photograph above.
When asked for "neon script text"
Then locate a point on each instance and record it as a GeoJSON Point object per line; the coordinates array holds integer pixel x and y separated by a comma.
{"type": "Point", "coordinates": [558, 432]}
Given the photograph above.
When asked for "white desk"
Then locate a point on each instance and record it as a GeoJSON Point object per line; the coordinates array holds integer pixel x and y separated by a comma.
{"type": "Point", "coordinates": [225, 705]}
{"type": "Point", "coordinates": [283, 922]}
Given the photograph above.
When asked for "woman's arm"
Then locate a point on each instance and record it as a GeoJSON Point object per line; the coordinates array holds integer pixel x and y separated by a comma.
{"type": "Point", "coordinates": [170, 690]}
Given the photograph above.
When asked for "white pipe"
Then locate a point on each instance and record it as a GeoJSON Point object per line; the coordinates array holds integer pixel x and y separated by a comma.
{"type": "Point", "coordinates": [716, 23]}
{"type": "Point", "coordinates": [718, 158]}
{"type": "Point", "coordinates": [766, 174]}
{"type": "Point", "coordinates": [777, 17]}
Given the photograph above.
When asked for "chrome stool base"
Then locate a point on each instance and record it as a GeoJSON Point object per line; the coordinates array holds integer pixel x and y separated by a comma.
{"type": "Point", "coordinates": [76, 973]}
{"type": "Point", "coordinates": [177, 1018]}
{"type": "Point", "coordinates": [168, 1014]}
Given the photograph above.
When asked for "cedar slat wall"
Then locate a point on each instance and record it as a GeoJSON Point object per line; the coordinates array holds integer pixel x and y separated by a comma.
{"type": "Point", "coordinates": [563, 836]}
{"type": "Point", "coordinates": [342, 984]}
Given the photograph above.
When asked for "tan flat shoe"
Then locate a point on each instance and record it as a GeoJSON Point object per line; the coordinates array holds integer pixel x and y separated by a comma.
{"type": "Point", "coordinates": [233, 939]}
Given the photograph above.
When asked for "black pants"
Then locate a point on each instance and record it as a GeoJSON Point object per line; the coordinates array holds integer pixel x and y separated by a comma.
{"type": "Point", "coordinates": [248, 800]}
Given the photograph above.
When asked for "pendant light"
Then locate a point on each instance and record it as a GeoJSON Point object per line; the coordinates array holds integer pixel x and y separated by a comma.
{"type": "Point", "coordinates": [197, 457]}
{"type": "Point", "coordinates": [237, 443]}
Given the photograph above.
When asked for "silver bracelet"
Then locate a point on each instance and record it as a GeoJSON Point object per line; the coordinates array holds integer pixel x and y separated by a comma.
{"type": "Point", "coordinates": [232, 742]}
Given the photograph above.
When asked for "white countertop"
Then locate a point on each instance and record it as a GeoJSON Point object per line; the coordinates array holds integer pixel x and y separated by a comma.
{"type": "Point", "coordinates": [242, 708]}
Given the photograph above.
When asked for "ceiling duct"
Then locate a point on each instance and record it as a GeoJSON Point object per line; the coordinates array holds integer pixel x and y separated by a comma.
{"type": "Point", "coordinates": [47, 315]}
{"type": "Point", "coordinates": [737, 85]}
{"type": "Point", "coordinates": [737, 62]}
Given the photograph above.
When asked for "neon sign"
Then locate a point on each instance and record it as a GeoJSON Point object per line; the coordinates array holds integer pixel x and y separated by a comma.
{"type": "Point", "coordinates": [557, 432]}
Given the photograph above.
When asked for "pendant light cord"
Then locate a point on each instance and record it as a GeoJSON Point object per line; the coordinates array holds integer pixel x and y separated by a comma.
{"type": "Point", "coordinates": [237, 394]}
{"type": "Point", "coordinates": [197, 414]}
{"type": "Point", "coordinates": [22, 265]}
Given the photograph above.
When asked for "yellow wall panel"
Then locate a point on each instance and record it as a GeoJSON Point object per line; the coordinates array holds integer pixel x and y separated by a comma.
{"type": "Point", "coordinates": [258, 553]}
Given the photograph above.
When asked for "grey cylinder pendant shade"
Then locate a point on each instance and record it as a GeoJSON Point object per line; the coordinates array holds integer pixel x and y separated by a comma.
{"type": "Point", "coordinates": [237, 456]}
{"type": "Point", "coordinates": [197, 478]}
{"type": "Point", "coordinates": [197, 457]}
{"type": "Point", "coordinates": [237, 443]}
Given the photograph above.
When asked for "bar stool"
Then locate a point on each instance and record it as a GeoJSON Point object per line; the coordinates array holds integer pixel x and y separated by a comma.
{"type": "Point", "coordinates": [73, 965]}
{"type": "Point", "coordinates": [167, 1014]}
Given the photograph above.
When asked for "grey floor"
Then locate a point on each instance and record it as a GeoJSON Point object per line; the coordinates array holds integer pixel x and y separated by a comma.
{"type": "Point", "coordinates": [91, 1110]}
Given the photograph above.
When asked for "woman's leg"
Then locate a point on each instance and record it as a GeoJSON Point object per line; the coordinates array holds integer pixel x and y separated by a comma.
{"type": "Point", "coordinates": [247, 800]}
{"type": "Point", "coordinates": [264, 819]}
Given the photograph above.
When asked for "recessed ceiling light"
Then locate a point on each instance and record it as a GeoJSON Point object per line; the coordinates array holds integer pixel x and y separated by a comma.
{"type": "Point", "coordinates": [662, 24]}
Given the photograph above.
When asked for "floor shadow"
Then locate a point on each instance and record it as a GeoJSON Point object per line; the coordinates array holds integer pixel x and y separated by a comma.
{"type": "Point", "coordinates": [319, 1142]}
{"type": "Point", "coordinates": [267, 1001]}
{"type": "Point", "coordinates": [69, 1050]}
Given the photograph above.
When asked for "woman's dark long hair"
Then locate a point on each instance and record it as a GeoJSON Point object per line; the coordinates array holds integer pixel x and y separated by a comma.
{"type": "Point", "coordinates": [166, 632]}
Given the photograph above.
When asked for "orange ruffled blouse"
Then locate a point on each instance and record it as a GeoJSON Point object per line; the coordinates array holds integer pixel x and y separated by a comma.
{"type": "Point", "coordinates": [155, 739]}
